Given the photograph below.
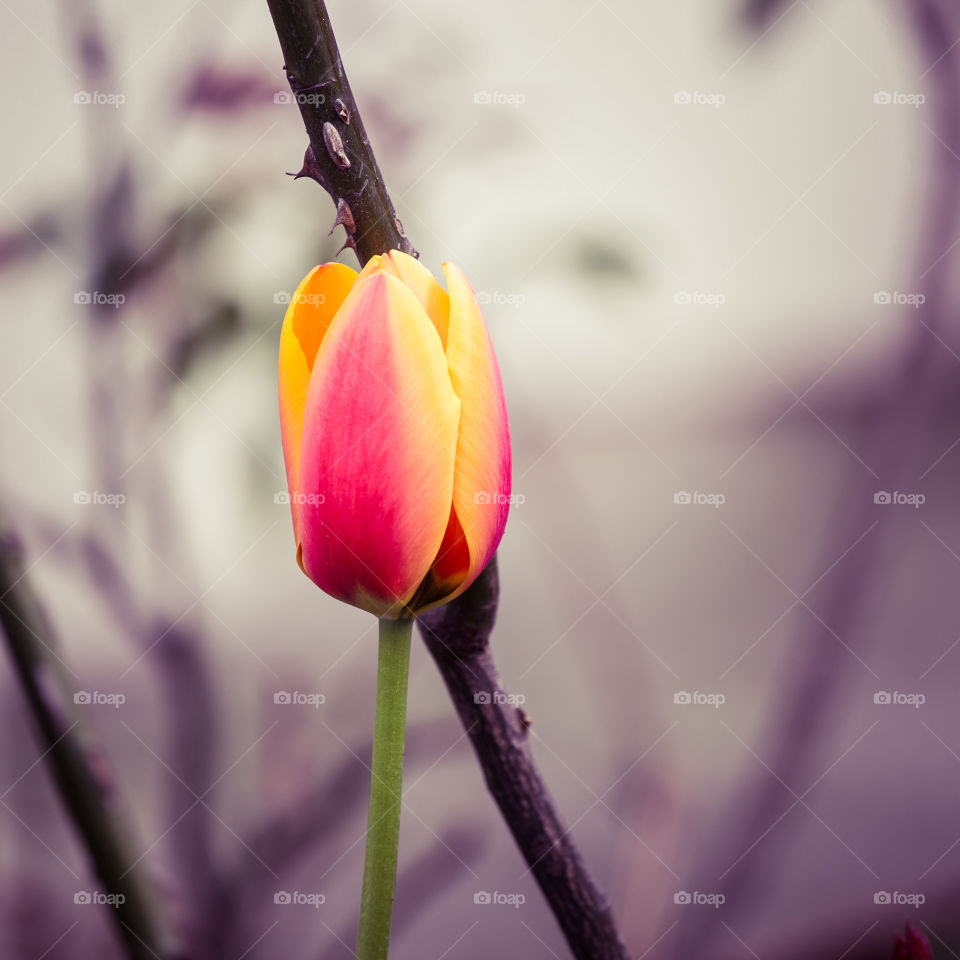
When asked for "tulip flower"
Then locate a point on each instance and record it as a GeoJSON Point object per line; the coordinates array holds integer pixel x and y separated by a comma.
{"type": "Point", "coordinates": [395, 434]}
{"type": "Point", "coordinates": [397, 452]}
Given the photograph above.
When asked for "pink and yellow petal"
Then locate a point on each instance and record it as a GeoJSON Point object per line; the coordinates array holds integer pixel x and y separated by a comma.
{"type": "Point", "coordinates": [420, 281]}
{"type": "Point", "coordinates": [377, 467]}
{"type": "Point", "coordinates": [482, 475]}
{"type": "Point", "coordinates": [311, 310]}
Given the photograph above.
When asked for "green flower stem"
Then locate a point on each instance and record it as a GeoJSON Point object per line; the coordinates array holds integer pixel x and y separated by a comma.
{"type": "Point", "coordinates": [386, 781]}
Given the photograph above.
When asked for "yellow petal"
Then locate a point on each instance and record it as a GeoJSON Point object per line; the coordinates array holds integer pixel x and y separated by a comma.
{"type": "Point", "coordinates": [481, 485]}
{"type": "Point", "coordinates": [424, 286]}
{"type": "Point", "coordinates": [308, 317]}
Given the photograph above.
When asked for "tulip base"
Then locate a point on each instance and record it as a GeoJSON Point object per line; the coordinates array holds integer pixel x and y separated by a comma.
{"type": "Point", "coordinates": [386, 781]}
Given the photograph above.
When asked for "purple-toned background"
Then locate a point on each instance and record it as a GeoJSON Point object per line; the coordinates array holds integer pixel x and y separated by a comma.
{"type": "Point", "coordinates": [717, 247]}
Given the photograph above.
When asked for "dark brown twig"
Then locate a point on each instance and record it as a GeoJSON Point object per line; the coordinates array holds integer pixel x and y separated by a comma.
{"type": "Point", "coordinates": [458, 637]}
{"type": "Point", "coordinates": [339, 157]}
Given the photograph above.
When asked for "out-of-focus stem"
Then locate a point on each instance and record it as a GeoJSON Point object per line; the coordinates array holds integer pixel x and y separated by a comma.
{"type": "Point", "coordinates": [91, 802]}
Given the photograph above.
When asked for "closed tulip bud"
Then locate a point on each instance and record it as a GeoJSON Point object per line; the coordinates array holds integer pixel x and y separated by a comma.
{"type": "Point", "coordinates": [395, 434]}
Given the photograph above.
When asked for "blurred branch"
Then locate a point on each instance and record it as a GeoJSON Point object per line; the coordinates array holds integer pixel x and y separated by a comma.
{"type": "Point", "coordinates": [458, 637]}
{"type": "Point", "coordinates": [341, 160]}
{"type": "Point", "coordinates": [760, 15]}
{"type": "Point", "coordinates": [108, 233]}
{"type": "Point", "coordinates": [339, 157]}
{"type": "Point", "coordinates": [192, 739]}
{"type": "Point", "coordinates": [175, 651]}
{"type": "Point", "coordinates": [29, 239]}
{"type": "Point", "coordinates": [295, 832]}
{"type": "Point", "coordinates": [291, 832]}
{"type": "Point", "coordinates": [185, 229]}
{"type": "Point", "coordinates": [78, 769]}
{"type": "Point", "coordinates": [114, 269]}
{"type": "Point", "coordinates": [224, 90]}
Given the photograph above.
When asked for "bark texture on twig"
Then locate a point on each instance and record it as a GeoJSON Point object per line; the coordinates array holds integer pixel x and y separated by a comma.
{"type": "Point", "coordinates": [458, 637]}
{"type": "Point", "coordinates": [339, 156]}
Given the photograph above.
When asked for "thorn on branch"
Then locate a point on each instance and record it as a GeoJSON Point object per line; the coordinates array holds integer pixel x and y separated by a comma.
{"type": "Point", "coordinates": [311, 169]}
{"type": "Point", "coordinates": [344, 217]}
